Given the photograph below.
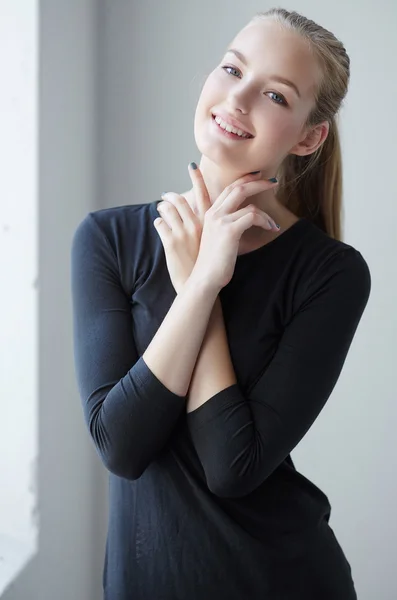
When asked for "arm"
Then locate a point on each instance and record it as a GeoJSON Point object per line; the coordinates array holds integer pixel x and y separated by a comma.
{"type": "Point", "coordinates": [214, 370]}
{"type": "Point", "coordinates": [241, 439]}
{"type": "Point", "coordinates": [131, 404]}
{"type": "Point", "coordinates": [173, 352]}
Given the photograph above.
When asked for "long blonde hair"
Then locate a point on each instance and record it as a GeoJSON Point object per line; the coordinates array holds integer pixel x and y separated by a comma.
{"type": "Point", "coordinates": [311, 186]}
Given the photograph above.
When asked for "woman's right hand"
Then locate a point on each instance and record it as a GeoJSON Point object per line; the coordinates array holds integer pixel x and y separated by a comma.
{"type": "Point", "coordinates": [223, 227]}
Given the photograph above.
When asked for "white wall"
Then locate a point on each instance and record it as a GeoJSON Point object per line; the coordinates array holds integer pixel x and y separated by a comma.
{"type": "Point", "coordinates": [71, 484]}
{"type": "Point", "coordinates": [154, 56]}
{"type": "Point", "coordinates": [18, 300]}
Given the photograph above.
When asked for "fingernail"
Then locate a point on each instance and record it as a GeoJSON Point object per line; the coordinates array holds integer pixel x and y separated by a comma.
{"type": "Point", "coordinates": [273, 180]}
{"type": "Point", "coordinates": [193, 165]}
{"type": "Point", "coordinates": [162, 194]}
{"type": "Point", "coordinates": [254, 172]}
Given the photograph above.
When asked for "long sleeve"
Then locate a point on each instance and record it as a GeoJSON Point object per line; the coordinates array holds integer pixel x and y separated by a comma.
{"type": "Point", "coordinates": [241, 439]}
{"type": "Point", "coordinates": [130, 414]}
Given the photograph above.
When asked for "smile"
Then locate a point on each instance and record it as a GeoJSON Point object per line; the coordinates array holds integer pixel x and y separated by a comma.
{"type": "Point", "coordinates": [229, 131]}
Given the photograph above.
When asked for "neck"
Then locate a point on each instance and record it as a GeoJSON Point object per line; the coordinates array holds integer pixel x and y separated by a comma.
{"type": "Point", "coordinates": [216, 180]}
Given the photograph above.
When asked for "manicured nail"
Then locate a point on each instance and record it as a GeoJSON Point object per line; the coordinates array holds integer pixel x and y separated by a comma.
{"type": "Point", "coordinates": [193, 165]}
{"type": "Point", "coordinates": [273, 180]}
{"type": "Point", "coordinates": [254, 172]}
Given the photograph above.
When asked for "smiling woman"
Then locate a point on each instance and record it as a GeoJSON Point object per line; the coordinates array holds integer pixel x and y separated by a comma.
{"type": "Point", "coordinates": [208, 339]}
{"type": "Point", "coordinates": [270, 83]}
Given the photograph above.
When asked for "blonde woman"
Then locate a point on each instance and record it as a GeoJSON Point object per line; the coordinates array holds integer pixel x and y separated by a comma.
{"type": "Point", "coordinates": [211, 328]}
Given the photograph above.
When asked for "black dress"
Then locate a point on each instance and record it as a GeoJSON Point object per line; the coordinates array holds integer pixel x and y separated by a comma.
{"type": "Point", "coordinates": [209, 505]}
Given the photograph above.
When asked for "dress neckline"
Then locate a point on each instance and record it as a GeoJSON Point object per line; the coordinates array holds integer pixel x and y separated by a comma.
{"type": "Point", "coordinates": [282, 237]}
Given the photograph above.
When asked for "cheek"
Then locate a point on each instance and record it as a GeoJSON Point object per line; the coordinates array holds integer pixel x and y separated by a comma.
{"type": "Point", "coordinates": [279, 130]}
{"type": "Point", "coordinates": [212, 92]}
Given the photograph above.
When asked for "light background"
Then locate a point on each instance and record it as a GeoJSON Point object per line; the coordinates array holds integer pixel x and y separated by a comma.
{"type": "Point", "coordinates": [118, 85]}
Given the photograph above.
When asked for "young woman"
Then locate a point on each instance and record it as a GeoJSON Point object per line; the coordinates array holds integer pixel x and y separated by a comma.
{"type": "Point", "coordinates": [208, 339]}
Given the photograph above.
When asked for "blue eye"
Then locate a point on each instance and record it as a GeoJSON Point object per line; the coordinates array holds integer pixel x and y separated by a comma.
{"type": "Point", "coordinates": [278, 95]}
{"type": "Point", "coordinates": [283, 101]}
{"type": "Point", "coordinates": [233, 69]}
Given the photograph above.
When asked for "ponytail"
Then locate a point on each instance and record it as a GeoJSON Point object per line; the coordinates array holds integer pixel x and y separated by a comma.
{"type": "Point", "coordinates": [311, 186]}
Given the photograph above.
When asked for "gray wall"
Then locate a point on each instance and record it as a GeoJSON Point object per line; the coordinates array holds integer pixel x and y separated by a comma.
{"type": "Point", "coordinates": [154, 58]}
{"type": "Point", "coordinates": [117, 128]}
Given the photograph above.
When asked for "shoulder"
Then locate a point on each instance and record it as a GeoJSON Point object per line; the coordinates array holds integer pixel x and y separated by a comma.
{"type": "Point", "coordinates": [333, 265]}
{"type": "Point", "coordinates": [115, 220]}
{"type": "Point", "coordinates": [330, 255]}
{"type": "Point", "coordinates": [122, 237]}
{"type": "Point", "coordinates": [119, 225]}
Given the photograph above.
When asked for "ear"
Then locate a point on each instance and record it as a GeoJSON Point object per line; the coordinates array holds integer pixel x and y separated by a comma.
{"type": "Point", "coordinates": [312, 140]}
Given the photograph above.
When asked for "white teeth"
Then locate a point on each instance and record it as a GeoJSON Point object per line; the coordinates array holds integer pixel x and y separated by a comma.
{"type": "Point", "coordinates": [230, 128]}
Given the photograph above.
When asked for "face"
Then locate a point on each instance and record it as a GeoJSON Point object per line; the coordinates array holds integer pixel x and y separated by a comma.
{"type": "Point", "coordinates": [272, 111]}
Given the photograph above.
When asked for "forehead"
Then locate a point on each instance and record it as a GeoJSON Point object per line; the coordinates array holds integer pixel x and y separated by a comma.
{"type": "Point", "coordinates": [271, 49]}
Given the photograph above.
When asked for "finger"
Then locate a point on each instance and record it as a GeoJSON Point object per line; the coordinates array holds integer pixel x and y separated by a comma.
{"type": "Point", "coordinates": [201, 194]}
{"type": "Point", "coordinates": [163, 230]}
{"type": "Point", "coordinates": [170, 213]}
{"type": "Point", "coordinates": [182, 206]}
{"type": "Point", "coordinates": [238, 194]}
{"type": "Point", "coordinates": [248, 220]}
{"type": "Point", "coordinates": [241, 180]}
{"type": "Point", "coordinates": [251, 208]}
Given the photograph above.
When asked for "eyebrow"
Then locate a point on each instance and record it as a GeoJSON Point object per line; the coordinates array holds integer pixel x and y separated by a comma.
{"type": "Point", "coordinates": [241, 57]}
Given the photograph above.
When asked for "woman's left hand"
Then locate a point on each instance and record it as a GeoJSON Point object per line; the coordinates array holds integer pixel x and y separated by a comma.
{"type": "Point", "coordinates": [180, 228]}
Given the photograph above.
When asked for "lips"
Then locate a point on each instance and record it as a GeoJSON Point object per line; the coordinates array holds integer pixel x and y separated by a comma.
{"type": "Point", "coordinates": [232, 121]}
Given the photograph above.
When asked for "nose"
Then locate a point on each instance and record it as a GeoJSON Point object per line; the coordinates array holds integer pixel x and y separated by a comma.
{"type": "Point", "coordinates": [237, 107]}
{"type": "Point", "coordinates": [238, 101]}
